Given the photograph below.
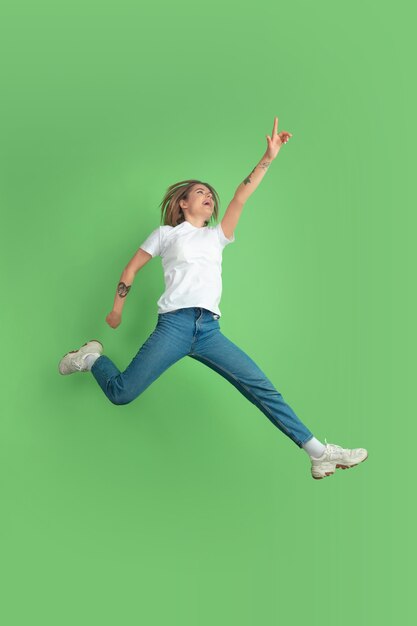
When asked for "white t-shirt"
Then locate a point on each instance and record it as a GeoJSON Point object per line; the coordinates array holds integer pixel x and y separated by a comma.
{"type": "Point", "coordinates": [192, 263]}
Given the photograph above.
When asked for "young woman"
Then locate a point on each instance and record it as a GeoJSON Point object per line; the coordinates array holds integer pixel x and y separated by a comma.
{"type": "Point", "coordinates": [188, 312]}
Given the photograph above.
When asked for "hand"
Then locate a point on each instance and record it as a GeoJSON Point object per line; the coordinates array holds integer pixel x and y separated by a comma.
{"type": "Point", "coordinates": [113, 319]}
{"type": "Point", "coordinates": [275, 142]}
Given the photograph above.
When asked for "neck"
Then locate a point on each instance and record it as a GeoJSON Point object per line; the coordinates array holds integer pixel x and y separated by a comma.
{"type": "Point", "coordinates": [195, 222]}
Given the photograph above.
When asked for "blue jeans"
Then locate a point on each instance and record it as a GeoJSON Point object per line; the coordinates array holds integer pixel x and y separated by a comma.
{"type": "Point", "coordinates": [195, 332]}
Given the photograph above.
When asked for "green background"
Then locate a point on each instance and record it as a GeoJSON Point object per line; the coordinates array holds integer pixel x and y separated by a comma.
{"type": "Point", "coordinates": [188, 506]}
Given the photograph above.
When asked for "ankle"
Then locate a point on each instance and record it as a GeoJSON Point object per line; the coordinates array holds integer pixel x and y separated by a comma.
{"type": "Point", "coordinates": [90, 359]}
{"type": "Point", "coordinates": [314, 448]}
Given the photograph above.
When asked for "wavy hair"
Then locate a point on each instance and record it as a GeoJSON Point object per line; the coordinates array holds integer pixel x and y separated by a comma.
{"type": "Point", "coordinates": [171, 212]}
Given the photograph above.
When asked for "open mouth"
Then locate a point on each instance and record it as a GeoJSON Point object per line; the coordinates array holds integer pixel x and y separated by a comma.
{"type": "Point", "coordinates": [207, 203]}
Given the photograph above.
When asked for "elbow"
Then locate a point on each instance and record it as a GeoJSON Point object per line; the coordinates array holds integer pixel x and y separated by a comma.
{"type": "Point", "coordinates": [129, 274]}
{"type": "Point", "coordinates": [239, 199]}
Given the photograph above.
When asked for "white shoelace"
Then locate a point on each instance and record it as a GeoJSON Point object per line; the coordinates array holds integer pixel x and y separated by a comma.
{"type": "Point", "coordinates": [334, 451]}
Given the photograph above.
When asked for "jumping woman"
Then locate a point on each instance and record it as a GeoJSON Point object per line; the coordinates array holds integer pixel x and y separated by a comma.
{"type": "Point", "coordinates": [188, 312]}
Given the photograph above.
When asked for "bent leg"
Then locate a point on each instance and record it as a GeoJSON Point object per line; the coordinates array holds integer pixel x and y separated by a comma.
{"type": "Point", "coordinates": [153, 358]}
{"type": "Point", "coordinates": [228, 360]}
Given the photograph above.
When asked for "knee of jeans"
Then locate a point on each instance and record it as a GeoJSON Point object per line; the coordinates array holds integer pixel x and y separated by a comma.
{"type": "Point", "coordinates": [119, 396]}
{"type": "Point", "coordinates": [118, 401]}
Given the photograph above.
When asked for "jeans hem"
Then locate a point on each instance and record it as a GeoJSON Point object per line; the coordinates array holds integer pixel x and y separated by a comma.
{"type": "Point", "coordinates": [91, 368]}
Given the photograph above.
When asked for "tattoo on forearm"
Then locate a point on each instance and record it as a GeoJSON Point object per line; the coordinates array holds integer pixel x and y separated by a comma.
{"type": "Point", "coordinates": [264, 165]}
{"type": "Point", "coordinates": [123, 289]}
{"type": "Point", "coordinates": [247, 180]}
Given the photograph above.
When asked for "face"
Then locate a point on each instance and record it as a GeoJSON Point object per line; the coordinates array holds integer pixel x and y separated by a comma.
{"type": "Point", "coordinates": [200, 203]}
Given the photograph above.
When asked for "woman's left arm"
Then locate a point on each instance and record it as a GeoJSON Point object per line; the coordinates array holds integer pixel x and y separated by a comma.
{"type": "Point", "coordinates": [251, 182]}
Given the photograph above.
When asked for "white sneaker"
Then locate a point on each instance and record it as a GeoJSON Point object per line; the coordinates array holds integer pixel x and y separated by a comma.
{"type": "Point", "coordinates": [74, 361]}
{"type": "Point", "coordinates": [334, 457]}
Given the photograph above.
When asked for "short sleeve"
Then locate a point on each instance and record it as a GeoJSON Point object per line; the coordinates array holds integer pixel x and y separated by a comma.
{"type": "Point", "coordinates": [222, 237]}
{"type": "Point", "coordinates": [152, 244]}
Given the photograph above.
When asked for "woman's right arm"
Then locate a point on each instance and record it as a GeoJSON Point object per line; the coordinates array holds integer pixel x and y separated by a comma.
{"type": "Point", "coordinates": [128, 275]}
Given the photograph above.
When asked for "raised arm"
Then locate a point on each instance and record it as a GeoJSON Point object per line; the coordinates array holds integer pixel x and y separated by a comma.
{"type": "Point", "coordinates": [128, 275]}
{"type": "Point", "coordinates": [248, 186]}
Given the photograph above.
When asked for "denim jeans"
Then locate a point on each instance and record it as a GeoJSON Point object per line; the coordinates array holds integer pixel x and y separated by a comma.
{"type": "Point", "coordinates": [195, 332]}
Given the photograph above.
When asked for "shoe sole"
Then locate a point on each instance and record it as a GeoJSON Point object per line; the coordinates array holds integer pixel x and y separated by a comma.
{"type": "Point", "coordinates": [84, 344]}
{"type": "Point", "coordinates": [339, 467]}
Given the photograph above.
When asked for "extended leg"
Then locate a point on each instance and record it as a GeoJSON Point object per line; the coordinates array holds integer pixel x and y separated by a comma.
{"type": "Point", "coordinates": [228, 360]}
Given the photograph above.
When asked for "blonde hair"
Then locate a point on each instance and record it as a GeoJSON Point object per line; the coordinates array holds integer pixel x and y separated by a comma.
{"type": "Point", "coordinates": [171, 212]}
